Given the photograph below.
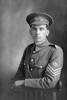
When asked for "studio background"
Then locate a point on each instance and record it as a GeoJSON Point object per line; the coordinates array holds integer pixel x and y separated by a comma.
{"type": "Point", "coordinates": [14, 33]}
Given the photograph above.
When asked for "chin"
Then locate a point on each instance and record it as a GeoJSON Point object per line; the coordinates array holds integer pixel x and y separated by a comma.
{"type": "Point", "coordinates": [38, 42]}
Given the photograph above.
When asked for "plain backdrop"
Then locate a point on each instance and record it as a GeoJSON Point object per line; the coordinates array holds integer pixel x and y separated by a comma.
{"type": "Point", "coordinates": [14, 33]}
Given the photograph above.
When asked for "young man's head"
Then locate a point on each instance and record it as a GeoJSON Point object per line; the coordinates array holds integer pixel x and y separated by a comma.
{"type": "Point", "coordinates": [39, 23]}
{"type": "Point", "coordinates": [39, 33]}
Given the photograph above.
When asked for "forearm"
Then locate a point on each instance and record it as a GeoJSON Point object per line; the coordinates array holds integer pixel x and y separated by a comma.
{"type": "Point", "coordinates": [36, 83]}
{"type": "Point", "coordinates": [44, 83]}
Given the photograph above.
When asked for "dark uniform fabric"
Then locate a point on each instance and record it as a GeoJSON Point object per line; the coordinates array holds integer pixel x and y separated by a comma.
{"type": "Point", "coordinates": [41, 67]}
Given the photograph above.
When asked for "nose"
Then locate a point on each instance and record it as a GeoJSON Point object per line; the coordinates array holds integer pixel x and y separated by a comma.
{"type": "Point", "coordinates": [37, 31]}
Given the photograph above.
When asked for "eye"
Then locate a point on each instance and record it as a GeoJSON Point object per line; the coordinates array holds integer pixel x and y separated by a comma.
{"type": "Point", "coordinates": [34, 28]}
{"type": "Point", "coordinates": [41, 29]}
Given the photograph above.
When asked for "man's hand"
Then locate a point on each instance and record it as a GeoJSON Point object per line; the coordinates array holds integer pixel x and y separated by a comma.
{"type": "Point", "coordinates": [18, 83]}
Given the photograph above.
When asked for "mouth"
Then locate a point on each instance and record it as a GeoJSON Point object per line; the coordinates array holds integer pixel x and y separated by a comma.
{"type": "Point", "coordinates": [38, 39]}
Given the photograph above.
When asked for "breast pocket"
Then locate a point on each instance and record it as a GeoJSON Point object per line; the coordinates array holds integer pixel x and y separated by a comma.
{"type": "Point", "coordinates": [40, 70]}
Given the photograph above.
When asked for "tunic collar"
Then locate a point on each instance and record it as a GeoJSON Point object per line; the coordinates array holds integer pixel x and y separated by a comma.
{"type": "Point", "coordinates": [39, 47]}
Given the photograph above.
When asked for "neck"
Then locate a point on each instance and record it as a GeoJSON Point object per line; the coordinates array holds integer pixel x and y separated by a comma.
{"type": "Point", "coordinates": [42, 43]}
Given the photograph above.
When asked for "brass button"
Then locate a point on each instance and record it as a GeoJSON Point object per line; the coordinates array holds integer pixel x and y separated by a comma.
{"type": "Point", "coordinates": [32, 60]}
{"type": "Point", "coordinates": [41, 66]}
{"type": "Point", "coordinates": [34, 51]}
{"type": "Point", "coordinates": [31, 69]}
{"type": "Point", "coordinates": [24, 63]}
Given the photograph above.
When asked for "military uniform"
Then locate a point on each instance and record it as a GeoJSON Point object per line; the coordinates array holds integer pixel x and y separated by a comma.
{"type": "Point", "coordinates": [41, 68]}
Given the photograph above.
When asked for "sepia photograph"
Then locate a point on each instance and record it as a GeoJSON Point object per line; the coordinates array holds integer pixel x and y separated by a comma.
{"type": "Point", "coordinates": [33, 49]}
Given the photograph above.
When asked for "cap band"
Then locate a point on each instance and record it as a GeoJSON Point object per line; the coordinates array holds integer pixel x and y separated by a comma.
{"type": "Point", "coordinates": [39, 21]}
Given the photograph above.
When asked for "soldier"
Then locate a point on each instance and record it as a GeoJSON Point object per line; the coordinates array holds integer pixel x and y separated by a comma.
{"type": "Point", "coordinates": [42, 61]}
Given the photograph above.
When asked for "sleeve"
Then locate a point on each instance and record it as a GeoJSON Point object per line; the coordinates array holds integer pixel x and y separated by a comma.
{"type": "Point", "coordinates": [20, 74]}
{"type": "Point", "coordinates": [52, 73]}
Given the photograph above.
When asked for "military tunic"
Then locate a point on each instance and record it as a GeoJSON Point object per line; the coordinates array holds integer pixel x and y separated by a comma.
{"type": "Point", "coordinates": [41, 67]}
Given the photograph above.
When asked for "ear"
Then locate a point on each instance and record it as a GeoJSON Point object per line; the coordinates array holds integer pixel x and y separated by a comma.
{"type": "Point", "coordinates": [30, 31]}
{"type": "Point", "coordinates": [48, 32]}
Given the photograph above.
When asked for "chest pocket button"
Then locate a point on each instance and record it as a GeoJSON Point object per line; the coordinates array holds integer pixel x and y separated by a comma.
{"type": "Point", "coordinates": [41, 66]}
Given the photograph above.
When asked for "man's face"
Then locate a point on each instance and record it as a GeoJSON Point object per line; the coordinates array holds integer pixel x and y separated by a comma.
{"type": "Point", "coordinates": [39, 33]}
